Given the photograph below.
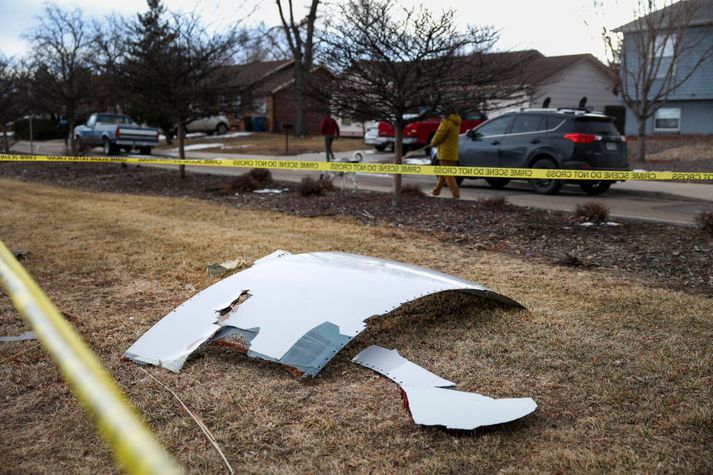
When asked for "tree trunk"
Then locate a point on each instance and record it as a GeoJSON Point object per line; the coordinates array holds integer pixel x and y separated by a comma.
{"type": "Point", "coordinates": [70, 137]}
{"type": "Point", "coordinates": [301, 126]}
{"type": "Point", "coordinates": [181, 147]}
{"type": "Point", "coordinates": [641, 145]}
{"type": "Point", "coordinates": [5, 143]}
{"type": "Point", "coordinates": [398, 149]}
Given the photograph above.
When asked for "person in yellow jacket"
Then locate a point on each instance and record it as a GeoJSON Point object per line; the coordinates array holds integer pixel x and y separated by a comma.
{"type": "Point", "coordinates": [446, 142]}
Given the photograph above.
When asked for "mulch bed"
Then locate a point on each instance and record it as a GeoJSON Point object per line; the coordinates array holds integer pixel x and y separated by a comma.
{"type": "Point", "coordinates": [672, 256]}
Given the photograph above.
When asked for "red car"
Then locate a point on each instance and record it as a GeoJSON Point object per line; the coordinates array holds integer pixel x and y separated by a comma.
{"type": "Point", "coordinates": [416, 134]}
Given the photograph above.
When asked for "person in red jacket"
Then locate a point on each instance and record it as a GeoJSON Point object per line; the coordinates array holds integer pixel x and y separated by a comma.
{"type": "Point", "coordinates": [330, 130]}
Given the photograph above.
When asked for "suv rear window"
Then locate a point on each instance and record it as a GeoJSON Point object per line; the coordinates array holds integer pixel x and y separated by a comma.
{"type": "Point", "coordinates": [595, 126]}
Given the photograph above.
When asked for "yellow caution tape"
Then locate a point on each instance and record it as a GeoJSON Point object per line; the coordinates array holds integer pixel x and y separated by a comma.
{"type": "Point", "coordinates": [386, 168]}
{"type": "Point", "coordinates": [134, 446]}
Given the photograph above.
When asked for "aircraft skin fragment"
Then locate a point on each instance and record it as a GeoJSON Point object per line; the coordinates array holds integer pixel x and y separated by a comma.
{"type": "Point", "coordinates": [452, 409]}
{"type": "Point", "coordinates": [431, 405]}
{"type": "Point", "coordinates": [391, 364]}
{"type": "Point", "coordinates": [300, 309]}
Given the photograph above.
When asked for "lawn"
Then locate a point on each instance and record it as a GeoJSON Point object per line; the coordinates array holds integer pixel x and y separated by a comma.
{"type": "Point", "coordinates": [265, 143]}
{"type": "Point", "coordinates": [621, 369]}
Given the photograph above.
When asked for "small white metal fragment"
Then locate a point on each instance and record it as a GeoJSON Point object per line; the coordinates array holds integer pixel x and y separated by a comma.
{"type": "Point", "coordinates": [397, 368]}
{"type": "Point", "coordinates": [461, 410]}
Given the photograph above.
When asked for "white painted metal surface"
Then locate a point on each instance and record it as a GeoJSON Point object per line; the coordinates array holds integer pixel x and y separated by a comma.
{"type": "Point", "coordinates": [397, 368]}
{"type": "Point", "coordinates": [462, 410]}
{"type": "Point", "coordinates": [304, 307]}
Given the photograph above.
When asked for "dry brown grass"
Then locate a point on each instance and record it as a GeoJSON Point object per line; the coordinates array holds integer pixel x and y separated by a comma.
{"type": "Point", "coordinates": [264, 143]}
{"type": "Point", "coordinates": [621, 370]}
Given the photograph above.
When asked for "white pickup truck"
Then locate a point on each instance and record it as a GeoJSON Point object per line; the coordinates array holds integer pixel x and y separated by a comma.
{"type": "Point", "coordinates": [115, 132]}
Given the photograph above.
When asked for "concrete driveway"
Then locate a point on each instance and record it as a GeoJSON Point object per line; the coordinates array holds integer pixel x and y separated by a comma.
{"type": "Point", "coordinates": [666, 202]}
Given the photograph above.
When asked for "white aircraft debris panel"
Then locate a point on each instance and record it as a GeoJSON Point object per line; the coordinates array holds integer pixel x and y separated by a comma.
{"type": "Point", "coordinates": [295, 309]}
{"type": "Point", "coordinates": [462, 410]}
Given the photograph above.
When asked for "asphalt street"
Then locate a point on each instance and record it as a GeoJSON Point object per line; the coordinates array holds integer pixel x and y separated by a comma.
{"type": "Point", "coordinates": [666, 202]}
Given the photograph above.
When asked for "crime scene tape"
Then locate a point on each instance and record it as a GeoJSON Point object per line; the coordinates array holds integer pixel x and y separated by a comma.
{"type": "Point", "coordinates": [134, 446]}
{"type": "Point", "coordinates": [386, 168]}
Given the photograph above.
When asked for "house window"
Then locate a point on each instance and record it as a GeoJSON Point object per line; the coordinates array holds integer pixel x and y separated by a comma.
{"type": "Point", "coordinates": [663, 54]}
{"type": "Point", "coordinates": [668, 119]}
{"type": "Point", "coordinates": [261, 105]}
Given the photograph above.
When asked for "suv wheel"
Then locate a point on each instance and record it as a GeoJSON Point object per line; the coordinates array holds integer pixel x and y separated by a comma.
{"type": "Point", "coordinates": [546, 187]}
{"type": "Point", "coordinates": [221, 129]}
{"type": "Point", "coordinates": [595, 187]}
{"type": "Point", "coordinates": [497, 183]}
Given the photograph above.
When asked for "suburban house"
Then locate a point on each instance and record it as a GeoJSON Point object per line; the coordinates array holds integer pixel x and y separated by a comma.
{"type": "Point", "coordinates": [688, 108]}
{"type": "Point", "coordinates": [266, 101]}
{"type": "Point", "coordinates": [267, 93]}
{"type": "Point", "coordinates": [565, 80]}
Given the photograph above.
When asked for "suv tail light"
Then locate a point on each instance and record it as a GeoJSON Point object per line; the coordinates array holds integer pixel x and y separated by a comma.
{"type": "Point", "coordinates": [117, 132]}
{"type": "Point", "coordinates": [583, 138]}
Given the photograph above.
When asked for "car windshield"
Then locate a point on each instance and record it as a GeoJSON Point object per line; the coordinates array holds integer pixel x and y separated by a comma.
{"type": "Point", "coordinates": [114, 119]}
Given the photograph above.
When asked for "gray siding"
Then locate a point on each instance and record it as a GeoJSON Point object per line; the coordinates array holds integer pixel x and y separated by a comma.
{"type": "Point", "coordinates": [696, 118]}
{"type": "Point", "coordinates": [581, 79]}
{"type": "Point", "coordinates": [700, 85]}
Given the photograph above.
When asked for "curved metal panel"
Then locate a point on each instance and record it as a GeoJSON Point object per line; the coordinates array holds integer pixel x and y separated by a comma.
{"type": "Point", "coordinates": [305, 307]}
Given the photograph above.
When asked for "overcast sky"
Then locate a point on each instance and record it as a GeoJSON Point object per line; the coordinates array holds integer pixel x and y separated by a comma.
{"type": "Point", "coordinates": [554, 27]}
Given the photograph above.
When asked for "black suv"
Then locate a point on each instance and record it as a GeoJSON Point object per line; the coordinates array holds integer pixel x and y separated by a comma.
{"type": "Point", "coordinates": [546, 138]}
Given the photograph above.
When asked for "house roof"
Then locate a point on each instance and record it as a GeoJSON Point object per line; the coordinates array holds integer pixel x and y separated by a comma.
{"type": "Point", "coordinates": [544, 67]}
{"type": "Point", "coordinates": [275, 80]}
{"type": "Point", "coordinates": [250, 73]}
{"type": "Point", "coordinates": [702, 16]}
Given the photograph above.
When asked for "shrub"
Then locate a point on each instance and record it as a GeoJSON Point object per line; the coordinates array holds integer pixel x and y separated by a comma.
{"type": "Point", "coordinates": [592, 211]}
{"type": "Point", "coordinates": [242, 184]}
{"type": "Point", "coordinates": [494, 202]}
{"type": "Point", "coordinates": [311, 187]}
{"type": "Point", "coordinates": [42, 129]}
{"type": "Point", "coordinates": [570, 260]}
{"type": "Point", "coordinates": [327, 184]}
{"type": "Point", "coordinates": [262, 176]}
{"type": "Point", "coordinates": [704, 221]}
{"type": "Point", "coordinates": [412, 189]}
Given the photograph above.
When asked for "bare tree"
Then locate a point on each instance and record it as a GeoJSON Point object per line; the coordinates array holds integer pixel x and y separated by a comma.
{"type": "Point", "coordinates": [13, 95]}
{"type": "Point", "coordinates": [176, 70]}
{"type": "Point", "coordinates": [656, 54]}
{"type": "Point", "coordinates": [61, 48]}
{"type": "Point", "coordinates": [110, 48]}
{"type": "Point", "coordinates": [300, 36]}
{"type": "Point", "coordinates": [261, 43]}
{"type": "Point", "coordinates": [391, 62]}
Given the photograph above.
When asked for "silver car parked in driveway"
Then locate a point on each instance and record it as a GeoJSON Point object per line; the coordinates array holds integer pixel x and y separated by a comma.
{"type": "Point", "coordinates": [214, 124]}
